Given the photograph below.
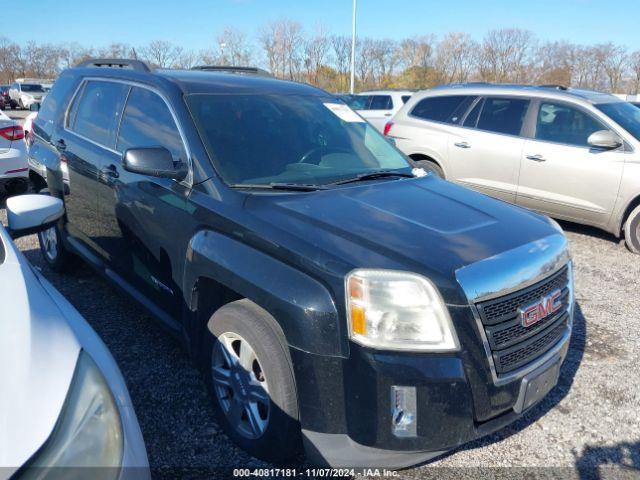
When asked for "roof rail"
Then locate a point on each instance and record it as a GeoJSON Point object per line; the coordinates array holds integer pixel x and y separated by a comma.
{"type": "Point", "coordinates": [553, 85]}
{"type": "Point", "coordinates": [130, 64]}
{"type": "Point", "coordinates": [233, 69]}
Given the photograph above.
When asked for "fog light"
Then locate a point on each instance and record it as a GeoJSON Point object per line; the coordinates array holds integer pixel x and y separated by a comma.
{"type": "Point", "coordinates": [403, 411]}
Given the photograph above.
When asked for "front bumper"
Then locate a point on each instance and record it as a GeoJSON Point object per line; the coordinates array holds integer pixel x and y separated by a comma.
{"type": "Point", "coordinates": [445, 413]}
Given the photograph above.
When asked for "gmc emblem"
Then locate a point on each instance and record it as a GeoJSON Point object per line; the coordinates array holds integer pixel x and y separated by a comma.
{"type": "Point", "coordinates": [547, 305]}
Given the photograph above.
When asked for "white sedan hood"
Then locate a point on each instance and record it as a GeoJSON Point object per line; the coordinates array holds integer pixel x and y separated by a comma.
{"type": "Point", "coordinates": [38, 355]}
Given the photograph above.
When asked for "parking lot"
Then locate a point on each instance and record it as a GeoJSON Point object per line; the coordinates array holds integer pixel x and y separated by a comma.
{"type": "Point", "coordinates": [588, 427]}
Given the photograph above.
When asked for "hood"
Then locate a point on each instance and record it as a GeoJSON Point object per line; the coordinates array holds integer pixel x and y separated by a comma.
{"type": "Point", "coordinates": [426, 225]}
{"type": "Point", "coordinates": [38, 354]}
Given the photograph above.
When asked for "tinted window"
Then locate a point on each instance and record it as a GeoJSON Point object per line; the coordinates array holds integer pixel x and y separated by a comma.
{"type": "Point", "coordinates": [564, 124]}
{"type": "Point", "coordinates": [359, 102]}
{"type": "Point", "coordinates": [99, 111]}
{"type": "Point", "coordinates": [624, 114]}
{"type": "Point", "coordinates": [381, 102]}
{"type": "Point", "coordinates": [259, 139]}
{"type": "Point", "coordinates": [503, 115]}
{"type": "Point", "coordinates": [147, 122]}
{"type": "Point", "coordinates": [32, 87]}
{"type": "Point", "coordinates": [441, 109]}
{"type": "Point", "coordinates": [473, 115]}
{"type": "Point", "coordinates": [405, 98]}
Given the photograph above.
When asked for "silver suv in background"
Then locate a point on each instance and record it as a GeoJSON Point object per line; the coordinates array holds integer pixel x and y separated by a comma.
{"type": "Point", "coordinates": [571, 154]}
{"type": "Point", "coordinates": [378, 107]}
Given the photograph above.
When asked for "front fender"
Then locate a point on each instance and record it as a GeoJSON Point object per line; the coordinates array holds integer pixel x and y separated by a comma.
{"type": "Point", "coordinates": [302, 306]}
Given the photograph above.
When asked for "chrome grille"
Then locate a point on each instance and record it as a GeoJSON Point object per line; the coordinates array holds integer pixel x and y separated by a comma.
{"type": "Point", "coordinates": [512, 345]}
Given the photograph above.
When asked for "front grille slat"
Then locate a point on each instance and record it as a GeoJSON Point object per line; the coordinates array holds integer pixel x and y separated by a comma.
{"type": "Point", "coordinates": [514, 345]}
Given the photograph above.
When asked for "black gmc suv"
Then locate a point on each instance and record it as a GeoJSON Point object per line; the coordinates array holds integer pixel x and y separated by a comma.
{"type": "Point", "coordinates": [336, 297]}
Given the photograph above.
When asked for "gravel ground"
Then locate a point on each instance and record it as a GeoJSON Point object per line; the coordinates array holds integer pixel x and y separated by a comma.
{"type": "Point", "coordinates": [588, 427]}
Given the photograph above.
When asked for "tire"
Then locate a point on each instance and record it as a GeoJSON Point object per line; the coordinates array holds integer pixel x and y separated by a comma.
{"type": "Point", "coordinates": [430, 167]}
{"type": "Point", "coordinates": [274, 433]}
{"type": "Point", "coordinates": [632, 231]}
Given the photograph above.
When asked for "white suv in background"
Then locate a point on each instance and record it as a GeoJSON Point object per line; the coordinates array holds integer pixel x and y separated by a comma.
{"type": "Point", "coordinates": [571, 154]}
{"type": "Point", "coordinates": [378, 107]}
{"type": "Point", "coordinates": [14, 169]}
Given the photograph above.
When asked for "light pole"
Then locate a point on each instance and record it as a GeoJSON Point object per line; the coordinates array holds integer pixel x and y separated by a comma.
{"type": "Point", "coordinates": [224, 60]}
{"type": "Point", "coordinates": [353, 49]}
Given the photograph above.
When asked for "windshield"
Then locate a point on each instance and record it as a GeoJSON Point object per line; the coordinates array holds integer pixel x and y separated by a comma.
{"type": "Point", "coordinates": [624, 114]}
{"type": "Point", "coordinates": [31, 87]}
{"type": "Point", "coordinates": [264, 139]}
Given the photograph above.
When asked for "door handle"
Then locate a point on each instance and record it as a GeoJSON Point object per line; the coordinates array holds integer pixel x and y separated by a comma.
{"type": "Point", "coordinates": [60, 145]}
{"type": "Point", "coordinates": [536, 158]}
{"type": "Point", "coordinates": [110, 171]}
{"type": "Point", "coordinates": [387, 114]}
{"type": "Point", "coordinates": [462, 145]}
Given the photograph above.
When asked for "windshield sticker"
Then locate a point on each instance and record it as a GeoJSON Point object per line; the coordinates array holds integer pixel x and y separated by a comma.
{"type": "Point", "coordinates": [344, 113]}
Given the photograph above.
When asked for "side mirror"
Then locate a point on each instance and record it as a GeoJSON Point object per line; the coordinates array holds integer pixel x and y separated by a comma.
{"type": "Point", "coordinates": [27, 214]}
{"type": "Point", "coordinates": [34, 107]}
{"type": "Point", "coordinates": [154, 162]}
{"type": "Point", "coordinates": [604, 139]}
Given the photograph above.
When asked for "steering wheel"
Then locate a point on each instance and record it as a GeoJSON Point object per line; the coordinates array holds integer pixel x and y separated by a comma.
{"type": "Point", "coordinates": [317, 150]}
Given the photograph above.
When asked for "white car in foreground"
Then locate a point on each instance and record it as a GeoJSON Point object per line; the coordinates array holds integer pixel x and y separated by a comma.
{"type": "Point", "coordinates": [378, 107]}
{"type": "Point", "coordinates": [14, 169]}
{"type": "Point", "coordinates": [64, 402]}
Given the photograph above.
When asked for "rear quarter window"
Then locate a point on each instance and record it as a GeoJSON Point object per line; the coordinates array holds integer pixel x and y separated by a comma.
{"type": "Point", "coordinates": [447, 108]}
{"type": "Point", "coordinates": [56, 101]}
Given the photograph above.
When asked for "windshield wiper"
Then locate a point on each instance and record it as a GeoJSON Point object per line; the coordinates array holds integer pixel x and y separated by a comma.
{"type": "Point", "coordinates": [372, 176]}
{"type": "Point", "coordinates": [296, 187]}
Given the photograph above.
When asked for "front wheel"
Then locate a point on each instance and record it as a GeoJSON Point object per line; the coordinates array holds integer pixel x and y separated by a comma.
{"type": "Point", "coordinates": [632, 231]}
{"type": "Point", "coordinates": [250, 376]}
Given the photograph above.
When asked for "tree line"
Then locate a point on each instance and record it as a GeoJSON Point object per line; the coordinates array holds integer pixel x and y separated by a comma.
{"type": "Point", "coordinates": [318, 57]}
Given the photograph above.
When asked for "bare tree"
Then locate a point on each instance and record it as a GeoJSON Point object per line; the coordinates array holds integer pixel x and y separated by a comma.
{"type": "Point", "coordinates": [505, 55]}
{"type": "Point", "coordinates": [161, 53]}
{"type": "Point", "coordinates": [455, 57]}
{"type": "Point", "coordinates": [73, 53]}
{"type": "Point", "coordinates": [282, 42]}
{"type": "Point", "coordinates": [615, 65]}
{"type": "Point", "coordinates": [634, 66]}
{"type": "Point", "coordinates": [9, 53]}
{"type": "Point", "coordinates": [553, 64]}
{"type": "Point", "coordinates": [234, 47]}
{"type": "Point", "coordinates": [316, 49]}
{"type": "Point", "coordinates": [417, 52]}
{"type": "Point", "coordinates": [341, 49]}
{"type": "Point", "coordinates": [384, 57]}
{"type": "Point", "coordinates": [364, 62]}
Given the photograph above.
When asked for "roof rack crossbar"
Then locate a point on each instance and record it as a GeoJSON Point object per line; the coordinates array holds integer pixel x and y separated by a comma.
{"type": "Point", "coordinates": [131, 64]}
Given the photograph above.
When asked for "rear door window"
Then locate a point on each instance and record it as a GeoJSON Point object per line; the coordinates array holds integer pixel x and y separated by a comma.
{"type": "Point", "coordinates": [448, 108]}
{"type": "Point", "coordinates": [503, 115]}
{"type": "Point", "coordinates": [564, 124]}
{"type": "Point", "coordinates": [98, 112]}
{"type": "Point", "coordinates": [147, 122]}
{"type": "Point", "coordinates": [381, 102]}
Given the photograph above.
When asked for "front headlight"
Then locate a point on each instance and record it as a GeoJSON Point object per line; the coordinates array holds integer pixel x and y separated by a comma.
{"type": "Point", "coordinates": [88, 432]}
{"type": "Point", "coordinates": [397, 311]}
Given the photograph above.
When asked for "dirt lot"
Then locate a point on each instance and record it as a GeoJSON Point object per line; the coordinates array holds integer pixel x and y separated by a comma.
{"type": "Point", "coordinates": [588, 427]}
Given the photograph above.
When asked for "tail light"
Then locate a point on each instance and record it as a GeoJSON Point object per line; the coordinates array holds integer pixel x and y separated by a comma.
{"type": "Point", "coordinates": [387, 128]}
{"type": "Point", "coordinates": [12, 133]}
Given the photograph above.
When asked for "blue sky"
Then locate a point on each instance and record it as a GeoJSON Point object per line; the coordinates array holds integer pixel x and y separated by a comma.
{"type": "Point", "coordinates": [194, 23]}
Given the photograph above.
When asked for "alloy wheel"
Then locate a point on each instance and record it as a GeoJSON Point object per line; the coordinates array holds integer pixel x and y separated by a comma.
{"type": "Point", "coordinates": [49, 240]}
{"type": "Point", "coordinates": [240, 385]}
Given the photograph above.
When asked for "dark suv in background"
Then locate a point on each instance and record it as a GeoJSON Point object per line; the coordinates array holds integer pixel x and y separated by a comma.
{"type": "Point", "coordinates": [335, 296]}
